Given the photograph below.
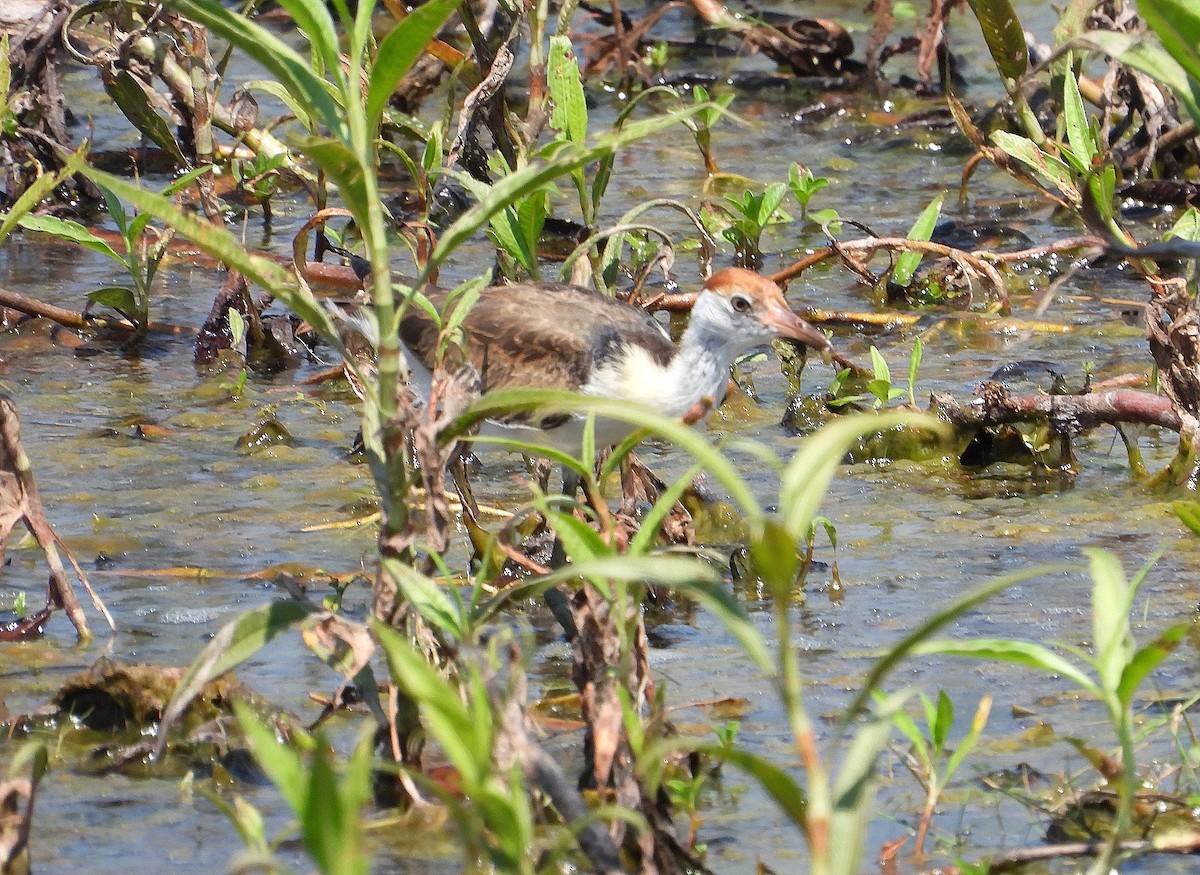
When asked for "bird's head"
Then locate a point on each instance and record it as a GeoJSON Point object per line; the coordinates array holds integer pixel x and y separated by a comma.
{"type": "Point", "coordinates": [750, 310]}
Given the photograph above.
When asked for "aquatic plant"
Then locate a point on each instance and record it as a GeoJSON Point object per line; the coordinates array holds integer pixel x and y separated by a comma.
{"type": "Point", "coordinates": [454, 661]}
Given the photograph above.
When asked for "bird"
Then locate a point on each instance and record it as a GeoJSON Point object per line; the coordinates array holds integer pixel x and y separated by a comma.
{"type": "Point", "coordinates": [536, 335]}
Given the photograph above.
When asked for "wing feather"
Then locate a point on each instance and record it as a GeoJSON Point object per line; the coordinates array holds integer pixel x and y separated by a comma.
{"type": "Point", "coordinates": [541, 335]}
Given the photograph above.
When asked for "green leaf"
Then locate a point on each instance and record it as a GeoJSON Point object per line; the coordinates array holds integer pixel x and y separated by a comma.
{"type": "Point", "coordinates": [922, 229]}
{"type": "Point", "coordinates": [943, 720]}
{"type": "Point", "coordinates": [506, 230]}
{"type": "Point", "coordinates": [531, 218]}
{"type": "Point", "coordinates": [282, 764]}
{"type": "Point", "coordinates": [1050, 170]}
{"type": "Point", "coordinates": [1186, 227]}
{"type": "Point", "coordinates": [301, 109]}
{"type": "Point", "coordinates": [1146, 659]}
{"type": "Point", "coordinates": [715, 598]}
{"type": "Point", "coordinates": [914, 365]}
{"type": "Point", "coordinates": [1189, 513]}
{"type": "Point", "coordinates": [41, 187]}
{"type": "Point", "coordinates": [1023, 653]}
{"type": "Point", "coordinates": [538, 174]}
{"type": "Point", "coordinates": [1111, 636]}
{"type": "Point", "coordinates": [775, 554]}
{"type": "Point", "coordinates": [226, 248]}
{"type": "Point", "coordinates": [881, 389]}
{"type": "Point", "coordinates": [5, 71]}
{"type": "Point", "coordinates": [348, 173]}
{"type": "Point", "coordinates": [803, 184]}
{"type": "Point", "coordinates": [329, 821]}
{"type": "Point", "coordinates": [71, 231]}
{"type": "Point", "coordinates": [285, 64]}
{"type": "Point", "coordinates": [806, 478]}
{"type": "Point", "coordinates": [431, 157]}
{"type": "Point", "coordinates": [129, 97]}
{"type": "Point", "coordinates": [937, 620]}
{"type": "Point", "coordinates": [769, 201]}
{"type": "Point", "coordinates": [671, 430]}
{"type": "Point", "coordinates": [314, 21]}
{"type": "Point", "coordinates": [828, 216]}
{"type": "Point", "coordinates": [116, 211]}
{"type": "Point", "coordinates": [236, 642]}
{"type": "Point", "coordinates": [116, 298]}
{"type": "Point", "coordinates": [448, 718]}
{"type": "Point", "coordinates": [323, 821]}
{"type": "Point", "coordinates": [1079, 133]}
{"type": "Point", "coordinates": [570, 115]}
{"type": "Point", "coordinates": [787, 794]}
{"type": "Point", "coordinates": [968, 741]}
{"type": "Point", "coordinates": [1004, 36]}
{"type": "Point", "coordinates": [854, 789]}
{"type": "Point", "coordinates": [880, 366]}
{"type": "Point", "coordinates": [181, 182]}
{"type": "Point", "coordinates": [675, 572]}
{"type": "Point", "coordinates": [424, 594]}
{"type": "Point", "coordinates": [1177, 25]}
{"type": "Point", "coordinates": [237, 326]}
{"type": "Point", "coordinates": [400, 49]}
{"type": "Point", "coordinates": [909, 729]}
{"type": "Point", "coordinates": [647, 532]}
{"type": "Point", "coordinates": [580, 541]}
{"type": "Point", "coordinates": [31, 753]}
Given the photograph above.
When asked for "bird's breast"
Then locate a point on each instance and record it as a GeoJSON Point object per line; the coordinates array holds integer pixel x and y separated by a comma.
{"type": "Point", "coordinates": [635, 374]}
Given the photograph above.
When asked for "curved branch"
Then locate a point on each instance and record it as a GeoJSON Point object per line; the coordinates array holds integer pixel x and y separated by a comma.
{"type": "Point", "coordinates": [1067, 413]}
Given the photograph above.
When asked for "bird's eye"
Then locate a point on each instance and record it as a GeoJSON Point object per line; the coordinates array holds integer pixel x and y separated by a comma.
{"type": "Point", "coordinates": [740, 303]}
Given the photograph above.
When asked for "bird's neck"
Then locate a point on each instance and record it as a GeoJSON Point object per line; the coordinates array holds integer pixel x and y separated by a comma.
{"type": "Point", "coordinates": [700, 367]}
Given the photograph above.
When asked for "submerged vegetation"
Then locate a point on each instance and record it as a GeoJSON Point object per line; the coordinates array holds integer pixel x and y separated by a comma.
{"type": "Point", "coordinates": [412, 135]}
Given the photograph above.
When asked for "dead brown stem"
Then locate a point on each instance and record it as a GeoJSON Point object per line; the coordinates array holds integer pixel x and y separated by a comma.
{"type": "Point", "coordinates": [20, 502]}
{"type": "Point", "coordinates": [74, 319]}
{"type": "Point", "coordinates": [1021, 857]}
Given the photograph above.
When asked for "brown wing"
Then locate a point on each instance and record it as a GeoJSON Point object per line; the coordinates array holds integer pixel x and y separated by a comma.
{"type": "Point", "coordinates": [541, 335]}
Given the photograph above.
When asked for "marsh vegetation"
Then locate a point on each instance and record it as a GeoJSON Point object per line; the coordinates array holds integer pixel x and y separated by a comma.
{"type": "Point", "coordinates": [924, 601]}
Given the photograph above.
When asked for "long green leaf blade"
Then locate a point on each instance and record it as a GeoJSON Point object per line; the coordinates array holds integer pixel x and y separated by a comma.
{"type": "Point", "coordinates": [280, 762]}
{"type": "Point", "coordinates": [41, 188]}
{"type": "Point", "coordinates": [1177, 24]}
{"type": "Point", "coordinates": [1079, 134]}
{"type": "Point", "coordinates": [922, 229]}
{"type": "Point", "coordinates": [939, 620]}
{"type": "Point", "coordinates": [543, 172]}
{"type": "Point", "coordinates": [1051, 170]}
{"type": "Point", "coordinates": [807, 476]}
{"type": "Point", "coordinates": [570, 115]}
{"type": "Point", "coordinates": [1111, 637]}
{"type": "Point", "coordinates": [131, 100]}
{"type": "Point", "coordinates": [72, 231]}
{"type": "Point", "coordinates": [1024, 653]}
{"type": "Point", "coordinates": [683, 436]}
{"type": "Point", "coordinates": [1004, 36]}
{"type": "Point", "coordinates": [400, 49]}
{"type": "Point", "coordinates": [236, 642]}
{"type": "Point", "coordinates": [1146, 659]}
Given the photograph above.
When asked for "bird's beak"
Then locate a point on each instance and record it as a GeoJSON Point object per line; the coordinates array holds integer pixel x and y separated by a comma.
{"type": "Point", "coordinates": [788, 324]}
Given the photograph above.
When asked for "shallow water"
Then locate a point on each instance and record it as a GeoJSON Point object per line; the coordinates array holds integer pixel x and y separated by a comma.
{"type": "Point", "coordinates": [172, 527]}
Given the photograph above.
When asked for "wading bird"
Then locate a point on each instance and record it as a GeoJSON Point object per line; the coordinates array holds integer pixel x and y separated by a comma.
{"type": "Point", "coordinates": [553, 336]}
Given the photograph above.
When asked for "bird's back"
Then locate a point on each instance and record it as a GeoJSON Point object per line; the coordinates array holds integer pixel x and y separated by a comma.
{"type": "Point", "coordinates": [540, 335]}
